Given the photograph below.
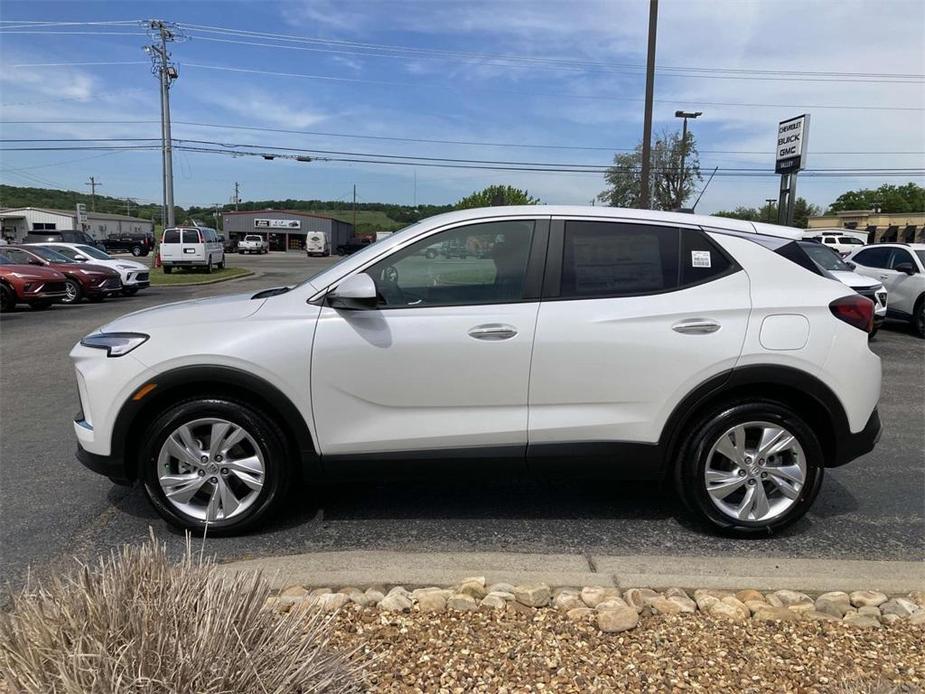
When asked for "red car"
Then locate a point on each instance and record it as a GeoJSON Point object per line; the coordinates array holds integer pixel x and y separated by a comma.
{"type": "Point", "coordinates": [38, 287]}
{"type": "Point", "coordinates": [81, 279]}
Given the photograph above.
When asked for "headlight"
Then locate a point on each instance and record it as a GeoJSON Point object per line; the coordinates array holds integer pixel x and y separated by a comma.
{"type": "Point", "coordinates": [115, 344]}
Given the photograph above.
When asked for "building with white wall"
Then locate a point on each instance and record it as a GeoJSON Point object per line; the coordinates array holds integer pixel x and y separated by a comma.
{"type": "Point", "coordinates": [19, 221]}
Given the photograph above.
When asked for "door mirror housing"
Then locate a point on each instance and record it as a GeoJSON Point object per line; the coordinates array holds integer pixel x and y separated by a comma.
{"type": "Point", "coordinates": [907, 268]}
{"type": "Point", "coordinates": [851, 265]}
{"type": "Point", "coordinates": [356, 293]}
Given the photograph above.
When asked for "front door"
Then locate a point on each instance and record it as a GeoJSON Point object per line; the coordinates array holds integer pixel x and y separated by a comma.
{"type": "Point", "coordinates": [633, 318]}
{"type": "Point", "coordinates": [443, 362]}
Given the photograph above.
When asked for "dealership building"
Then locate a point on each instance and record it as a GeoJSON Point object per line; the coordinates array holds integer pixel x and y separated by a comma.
{"type": "Point", "coordinates": [893, 227]}
{"type": "Point", "coordinates": [18, 221]}
{"type": "Point", "coordinates": [285, 229]}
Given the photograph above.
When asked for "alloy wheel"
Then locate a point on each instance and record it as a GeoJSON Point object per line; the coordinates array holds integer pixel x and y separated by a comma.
{"type": "Point", "coordinates": [211, 469]}
{"type": "Point", "coordinates": [71, 292]}
{"type": "Point", "coordinates": [755, 471]}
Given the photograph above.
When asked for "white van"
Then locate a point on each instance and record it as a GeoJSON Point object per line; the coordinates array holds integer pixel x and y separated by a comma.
{"type": "Point", "coordinates": [842, 241]}
{"type": "Point", "coordinates": [192, 247]}
{"type": "Point", "coordinates": [316, 243]}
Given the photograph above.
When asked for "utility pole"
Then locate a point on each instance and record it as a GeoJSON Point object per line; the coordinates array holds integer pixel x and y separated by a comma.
{"type": "Point", "coordinates": [769, 201]}
{"type": "Point", "coordinates": [162, 32]}
{"type": "Point", "coordinates": [354, 209]}
{"type": "Point", "coordinates": [94, 184]}
{"type": "Point", "coordinates": [237, 196]}
{"type": "Point", "coordinates": [685, 115]}
{"type": "Point", "coordinates": [647, 121]}
{"type": "Point", "coordinates": [128, 207]}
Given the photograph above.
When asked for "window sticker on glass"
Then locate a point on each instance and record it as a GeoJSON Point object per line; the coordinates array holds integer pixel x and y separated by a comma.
{"type": "Point", "coordinates": [700, 259]}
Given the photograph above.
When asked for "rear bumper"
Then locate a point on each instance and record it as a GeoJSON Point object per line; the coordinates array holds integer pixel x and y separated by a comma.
{"type": "Point", "coordinates": [853, 446]}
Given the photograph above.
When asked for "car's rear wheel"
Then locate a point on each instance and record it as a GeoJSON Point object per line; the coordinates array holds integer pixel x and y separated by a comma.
{"type": "Point", "coordinates": [7, 298]}
{"type": "Point", "coordinates": [918, 318]}
{"type": "Point", "coordinates": [221, 264]}
{"type": "Point", "coordinates": [209, 266]}
{"type": "Point", "coordinates": [137, 251]}
{"type": "Point", "coordinates": [72, 292]}
{"type": "Point", "coordinates": [168, 269]}
{"type": "Point", "coordinates": [750, 469]}
{"type": "Point", "coordinates": [214, 463]}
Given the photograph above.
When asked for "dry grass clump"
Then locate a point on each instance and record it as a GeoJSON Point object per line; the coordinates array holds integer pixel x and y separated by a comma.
{"type": "Point", "coordinates": [139, 623]}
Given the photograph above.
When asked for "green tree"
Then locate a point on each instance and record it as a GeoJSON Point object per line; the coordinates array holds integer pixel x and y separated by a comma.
{"type": "Point", "coordinates": [802, 211]}
{"type": "Point", "coordinates": [495, 196]}
{"type": "Point", "coordinates": [749, 214]}
{"type": "Point", "coordinates": [670, 186]}
{"type": "Point", "coordinates": [887, 198]}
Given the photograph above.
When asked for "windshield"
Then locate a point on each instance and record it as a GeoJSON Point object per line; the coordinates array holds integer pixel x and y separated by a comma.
{"type": "Point", "coordinates": [50, 255]}
{"type": "Point", "coordinates": [94, 253]}
{"type": "Point", "coordinates": [824, 257]}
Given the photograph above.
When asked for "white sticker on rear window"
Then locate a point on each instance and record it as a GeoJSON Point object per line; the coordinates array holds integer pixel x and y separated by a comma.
{"type": "Point", "coordinates": [700, 259]}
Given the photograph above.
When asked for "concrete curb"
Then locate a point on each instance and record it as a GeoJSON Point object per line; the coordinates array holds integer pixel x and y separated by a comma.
{"type": "Point", "coordinates": [247, 275]}
{"type": "Point", "coordinates": [369, 568]}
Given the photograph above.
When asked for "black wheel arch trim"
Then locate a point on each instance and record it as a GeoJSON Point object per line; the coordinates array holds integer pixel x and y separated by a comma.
{"type": "Point", "coordinates": [171, 386]}
{"type": "Point", "coordinates": [839, 443]}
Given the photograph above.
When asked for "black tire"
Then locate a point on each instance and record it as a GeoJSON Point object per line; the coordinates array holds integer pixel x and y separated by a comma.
{"type": "Point", "coordinates": [209, 266]}
{"type": "Point", "coordinates": [137, 251]}
{"type": "Point", "coordinates": [74, 292]}
{"type": "Point", "coordinates": [7, 298]}
{"type": "Point", "coordinates": [918, 318]}
{"type": "Point", "coordinates": [265, 433]}
{"type": "Point", "coordinates": [168, 269]}
{"type": "Point", "coordinates": [221, 264]}
{"type": "Point", "coordinates": [41, 305]}
{"type": "Point", "coordinates": [873, 333]}
{"type": "Point", "coordinates": [692, 461]}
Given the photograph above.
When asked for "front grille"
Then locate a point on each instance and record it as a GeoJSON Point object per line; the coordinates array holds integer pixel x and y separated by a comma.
{"type": "Point", "coordinates": [112, 283]}
{"type": "Point", "coordinates": [141, 277]}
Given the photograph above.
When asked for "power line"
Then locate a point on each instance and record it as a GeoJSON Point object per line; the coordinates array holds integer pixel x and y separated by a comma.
{"type": "Point", "coordinates": [558, 96]}
{"type": "Point", "coordinates": [72, 64]}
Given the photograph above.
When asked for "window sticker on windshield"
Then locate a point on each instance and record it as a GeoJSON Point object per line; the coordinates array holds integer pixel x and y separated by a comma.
{"type": "Point", "coordinates": [700, 259]}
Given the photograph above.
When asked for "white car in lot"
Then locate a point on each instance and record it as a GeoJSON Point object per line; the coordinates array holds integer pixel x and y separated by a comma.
{"type": "Point", "coordinates": [708, 352]}
{"type": "Point", "coordinates": [832, 262]}
{"type": "Point", "coordinates": [253, 243]}
{"type": "Point", "coordinates": [901, 268]}
{"type": "Point", "coordinates": [134, 275]}
{"type": "Point", "coordinates": [841, 242]}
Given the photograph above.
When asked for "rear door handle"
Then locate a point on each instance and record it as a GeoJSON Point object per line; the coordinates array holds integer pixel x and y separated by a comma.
{"type": "Point", "coordinates": [493, 331]}
{"type": "Point", "coordinates": [696, 326]}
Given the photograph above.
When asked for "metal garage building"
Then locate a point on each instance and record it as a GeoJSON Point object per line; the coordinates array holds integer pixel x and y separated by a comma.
{"type": "Point", "coordinates": [19, 221]}
{"type": "Point", "coordinates": [285, 229]}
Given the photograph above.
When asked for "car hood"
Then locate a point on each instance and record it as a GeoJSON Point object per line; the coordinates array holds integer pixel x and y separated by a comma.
{"type": "Point", "coordinates": [853, 279]}
{"type": "Point", "coordinates": [86, 267]}
{"type": "Point", "coordinates": [218, 309]}
{"type": "Point", "coordinates": [128, 264]}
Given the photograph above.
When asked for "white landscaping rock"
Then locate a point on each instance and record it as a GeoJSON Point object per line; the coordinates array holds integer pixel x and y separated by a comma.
{"type": "Point", "coordinates": [860, 598]}
{"type": "Point", "coordinates": [836, 603]}
{"type": "Point", "coordinates": [776, 614]}
{"type": "Point", "coordinates": [616, 619]}
{"type": "Point", "coordinates": [533, 595]}
{"type": "Point", "coordinates": [474, 588]}
{"type": "Point", "coordinates": [431, 601]}
{"type": "Point", "coordinates": [462, 602]}
{"type": "Point", "coordinates": [817, 616]}
{"type": "Point", "coordinates": [579, 614]}
{"type": "Point", "coordinates": [293, 592]}
{"type": "Point", "coordinates": [493, 602]}
{"type": "Point", "coordinates": [790, 598]}
{"type": "Point", "coordinates": [567, 601]}
{"type": "Point", "coordinates": [395, 602]}
{"type": "Point", "coordinates": [611, 603]}
{"type": "Point", "coordinates": [918, 618]}
{"type": "Point", "coordinates": [899, 606]}
{"type": "Point", "coordinates": [730, 608]}
{"type": "Point", "coordinates": [706, 598]}
{"type": "Point", "coordinates": [374, 596]}
{"type": "Point", "coordinates": [862, 620]}
{"type": "Point", "coordinates": [502, 594]}
{"type": "Point", "coordinates": [592, 595]}
{"type": "Point", "coordinates": [501, 588]}
{"type": "Point", "coordinates": [639, 597]}
{"type": "Point", "coordinates": [870, 610]}
{"type": "Point", "coordinates": [331, 602]}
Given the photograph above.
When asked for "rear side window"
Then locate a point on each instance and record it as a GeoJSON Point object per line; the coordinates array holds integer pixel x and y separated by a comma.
{"type": "Point", "coordinates": [612, 259]}
{"type": "Point", "coordinates": [874, 257]}
{"type": "Point", "coordinates": [190, 236]}
{"type": "Point", "coordinates": [701, 259]}
{"type": "Point", "coordinates": [171, 236]}
{"type": "Point", "coordinates": [901, 255]}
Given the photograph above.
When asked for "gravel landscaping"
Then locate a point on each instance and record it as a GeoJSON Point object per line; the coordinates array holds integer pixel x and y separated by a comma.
{"type": "Point", "coordinates": [501, 637]}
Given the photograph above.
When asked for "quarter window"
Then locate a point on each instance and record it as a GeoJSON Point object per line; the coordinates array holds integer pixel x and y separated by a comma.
{"type": "Point", "coordinates": [474, 264]}
{"type": "Point", "coordinates": [901, 255]}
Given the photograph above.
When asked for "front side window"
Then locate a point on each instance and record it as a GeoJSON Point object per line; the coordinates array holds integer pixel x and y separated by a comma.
{"type": "Point", "coordinates": [873, 257]}
{"type": "Point", "coordinates": [475, 264]}
{"type": "Point", "coordinates": [20, 257]}
{"type": "Point", "coordinates": [613, 259]}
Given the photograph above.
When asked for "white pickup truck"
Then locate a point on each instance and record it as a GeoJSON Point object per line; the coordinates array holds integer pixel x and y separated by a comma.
{"type": "Point", "coordinates": [252, 243]}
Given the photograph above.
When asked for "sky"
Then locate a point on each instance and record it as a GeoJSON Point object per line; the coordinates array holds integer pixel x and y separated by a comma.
{"type": "Point", "coordinates": [563, 81]}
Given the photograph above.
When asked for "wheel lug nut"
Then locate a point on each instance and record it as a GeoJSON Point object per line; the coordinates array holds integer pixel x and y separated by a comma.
{"type": "Point", "coordinates": [218, 459]}
{"type": "Point", "coordinates": [213, 480]}
{"type": "Point", "coordinates": [761, 461]}
{"type": "Point", "coordinates": [204, 459]}
{"type": "Point", "coordinates": [764, 475]}
{"type": "Point", "coordinates": [741, 473]}
{"type": "Point", "coordinates": [224, 471]}
{"type": "Point", "coordinates": [751, 483]}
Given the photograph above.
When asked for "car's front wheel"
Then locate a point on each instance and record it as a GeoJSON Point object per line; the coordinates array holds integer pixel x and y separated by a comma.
{"type": "Point", "coordinates": [7, 298]}
{"type": "Point", "coordinates": [214, 463]}
{"type": "Point", "coordinates": [137, 251]}
{"type": "Point", "coordinates": [750, 469]}
{"type": "Point", "coordinates": [72, 292]}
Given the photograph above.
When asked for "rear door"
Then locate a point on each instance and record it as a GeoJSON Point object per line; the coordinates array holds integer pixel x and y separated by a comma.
{"type": "Point", "coordinates": [634, 316]}
{"type": "Point", "coordinates": [170, 246]}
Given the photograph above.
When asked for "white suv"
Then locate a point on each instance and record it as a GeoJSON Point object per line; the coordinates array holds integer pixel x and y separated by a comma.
{"type": "Point", "coordinates": [645, 344]}
{"type": "Point", "coordinates": [134, 275]}
{"type": "Point", "coordinates": [901, 268]}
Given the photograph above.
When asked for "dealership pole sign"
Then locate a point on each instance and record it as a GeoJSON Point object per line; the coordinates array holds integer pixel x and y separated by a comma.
{"type": "Point", "coordinates": [792, 136]}
{"type": "Point", "coordinates": [789, 160]}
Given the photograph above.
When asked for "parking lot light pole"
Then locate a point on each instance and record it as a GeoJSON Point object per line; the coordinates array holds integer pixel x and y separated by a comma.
{"type": "Point", "coordinates": [685, 115]}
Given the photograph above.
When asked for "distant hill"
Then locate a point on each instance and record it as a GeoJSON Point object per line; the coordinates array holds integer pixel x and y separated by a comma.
{"type": "Point", "coordinates": [370, 216]}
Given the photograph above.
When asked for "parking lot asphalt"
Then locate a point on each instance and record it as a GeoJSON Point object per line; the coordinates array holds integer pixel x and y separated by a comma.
{"type": "Point", "coordinates": [51, 508]}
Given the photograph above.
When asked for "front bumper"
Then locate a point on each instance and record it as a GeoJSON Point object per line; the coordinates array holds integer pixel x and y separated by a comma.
{"type": "Point", "coordinates": [107, 465]}
{"type": "Point", "coordinates": [855, 445]}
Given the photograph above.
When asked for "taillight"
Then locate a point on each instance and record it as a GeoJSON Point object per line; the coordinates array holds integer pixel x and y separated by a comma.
{"type": "Point", "coordinates": [856, 310]}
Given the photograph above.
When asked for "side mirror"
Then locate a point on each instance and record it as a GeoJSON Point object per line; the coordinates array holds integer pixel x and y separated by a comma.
{"type": "Point", "coordinates": [356, 293]}
{"type": "Point", "coordinates": [908, 268]}
{"type": "Point", "coordinates": [850, 265]}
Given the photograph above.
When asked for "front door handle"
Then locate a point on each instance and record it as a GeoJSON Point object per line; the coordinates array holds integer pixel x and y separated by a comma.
{"type": "Point", "coordinates": [493, 331]}
{"type": "Point", "coordinates": [696, 326]}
